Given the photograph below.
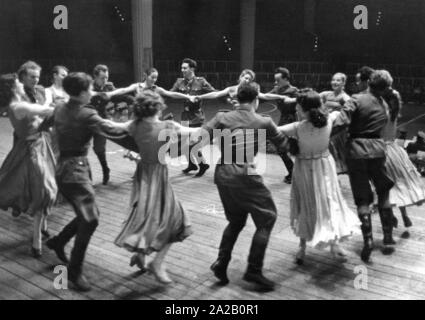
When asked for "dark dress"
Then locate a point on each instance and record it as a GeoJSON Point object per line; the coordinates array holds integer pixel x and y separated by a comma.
{"type": "Point", "coordinates": [156, 216]}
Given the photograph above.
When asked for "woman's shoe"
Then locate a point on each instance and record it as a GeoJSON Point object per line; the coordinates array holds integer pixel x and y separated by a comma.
{"type": "Point", "coordinates": [16, 213]}
{"type": "Point", "coordinates": [160, 275]}
{"type": "Point", "coordinates": [138, 260]}
{"type": "Point", "coordinates": [338, 254]}
{"type": "Point", "coordinates": [299, 258]}
{"type": "Point", "coordinates": [36, 253]}
{"type": "Point", "coordinates": [45, 234]}
{"type": "Point", "coordinates": [338, 250]}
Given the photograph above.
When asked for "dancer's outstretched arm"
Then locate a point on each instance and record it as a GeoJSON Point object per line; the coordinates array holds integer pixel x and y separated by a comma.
{"type": "Point", "coordinates": [117, 92]}
{"type": "Point", "coordinates": [174, 95]}
{"type": "Point", "coordinates": [273, 96]}
{"type": "Point", "coordinates": [214, 94]}
{"type": "Point", "coordinates": [24, 109]}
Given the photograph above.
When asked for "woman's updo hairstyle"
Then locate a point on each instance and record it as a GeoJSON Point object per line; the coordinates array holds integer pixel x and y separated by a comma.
{"type": "Point", "coordinates": [310, 102]}
{"type": "Point", "coordinates": [148, 104]}
{"type": "Point", "coordinates": [7, 84]}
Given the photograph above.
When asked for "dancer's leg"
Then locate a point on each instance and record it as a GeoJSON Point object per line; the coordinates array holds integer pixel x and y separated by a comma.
{"type": "Point", "coordinates": [157, 265]}
{"type": "Point", "coordinates": [37, 238]}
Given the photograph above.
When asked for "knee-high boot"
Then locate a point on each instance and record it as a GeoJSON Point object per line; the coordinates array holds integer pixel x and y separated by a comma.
{"type": "Point", "coordinates": [386, 215]}
{"type": "Point", "coordinates": [366, 227]}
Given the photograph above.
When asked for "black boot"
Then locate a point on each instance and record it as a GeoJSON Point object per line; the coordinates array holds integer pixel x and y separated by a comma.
{"type": "Point", "coordinates": [386, 215]}
{"type": "Point", "coordinates": [257, 277]}
{"type": "Point", "coordinates": [202, 169]}
{"type": "Point", "coordinates": [191, 167]}
{"type": "Point", "coordinates": [406, 220]}
{"type": "Point", "coordinates": [367, 236]}
{"type": "Point", "coordinates": [106, 171]}
{"type": "Point", "coordinates": [220, 271]}
{"type": "Point", "coordinates": [59, 249]}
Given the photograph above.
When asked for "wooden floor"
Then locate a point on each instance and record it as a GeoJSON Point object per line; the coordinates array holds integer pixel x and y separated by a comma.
{"type": "Point", "coordinates": [400, 276]}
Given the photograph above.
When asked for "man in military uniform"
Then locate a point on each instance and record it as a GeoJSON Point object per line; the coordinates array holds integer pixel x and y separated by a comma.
{"type": "Point", "coordinates": [193, 114]}
{"type": "Point", "coordinates": [287, 111]}
{"type": "Point", "coordinates": [241, 189]}
{"type": "Point", "coordinates": [101, 84]}
{"type": "Point", "coordinates": [366, 116]}
{"type": "Point", "coordinates": [76, 123]}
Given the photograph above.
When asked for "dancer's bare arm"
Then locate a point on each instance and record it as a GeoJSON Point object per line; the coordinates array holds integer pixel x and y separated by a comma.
{"type": "Point", "coordinates": [214, 94]}
{"type": "Point", "coordinates": [24, 109]}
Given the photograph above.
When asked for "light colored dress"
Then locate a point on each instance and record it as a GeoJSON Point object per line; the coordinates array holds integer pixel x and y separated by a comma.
{"type": "Point", "coordinates": [338, 142]}
{"type": "Point", "coordinates": [156, 216]}
{"type": "Point", "coordinates": [55, 95]}
{"type": "Point", "coordinates": [409, 188]}
{"type": "Point", "coordinates": [27, 176]}
{"type": "Point", "coordinates": [319, 213]}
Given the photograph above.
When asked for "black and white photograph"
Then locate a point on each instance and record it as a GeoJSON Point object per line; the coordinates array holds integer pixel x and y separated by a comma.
{"type": "Point", "coordinates": [224, 152]}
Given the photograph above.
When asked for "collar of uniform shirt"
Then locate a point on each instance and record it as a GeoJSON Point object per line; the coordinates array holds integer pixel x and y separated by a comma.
{"type": "Point", "coordinates": [245, 107]}
{"type": "Point", "coordinates": [189, 80]}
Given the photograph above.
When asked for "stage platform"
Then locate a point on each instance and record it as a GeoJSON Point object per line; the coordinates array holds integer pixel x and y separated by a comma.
{"type": "Point", "coordinates": [399, 276]}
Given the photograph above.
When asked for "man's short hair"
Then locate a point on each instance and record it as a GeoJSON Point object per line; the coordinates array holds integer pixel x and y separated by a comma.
{"type": "Point", "coordinates": [77, 82]}
{"type": "Point", "coordinates": [379, 81]}
{"type": "Point", "coordinates": [248, 92]}
{"type": "Point", "coordinates": [284, 72]}
{"type": "Point", "coordinates": [192, 63]}
{"type": "Point", "coordinates": [29, 65]}
{"type": "Point", "coordinates": [100, 68]}
{"type": "Point", "coordinates": [365, 73]}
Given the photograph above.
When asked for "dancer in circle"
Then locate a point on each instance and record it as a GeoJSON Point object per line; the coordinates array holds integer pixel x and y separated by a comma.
{"type": "Point", "coordinates": [319, 212]}
{"type": "Point", "coordinates": [75, 123]}
{"type": "Point", "coordinates": [333, 101]}
{"type": "Point", "coordinates": [366, 116]}
{"type": "Point", "coordinates": [287, 110]}
{"type": "Point", "coordinates": [240, 187]}
{"type": "Point", "coordinates": [157, 219]}
{"type": "Point", "coordinates": [55, 93]}
{"type": "Point", "coordinates": [27, 176]}
{"type": "Point", "coordinates": [149, 85]}
{"type": "Point", "coordinates": [362, 78]}
{"type": "Point", "coordinates": [104, 91]}
{"type": "Point", "coordinates": [193, 113]}
{"type": "Point", "coordinates": [409, 188]}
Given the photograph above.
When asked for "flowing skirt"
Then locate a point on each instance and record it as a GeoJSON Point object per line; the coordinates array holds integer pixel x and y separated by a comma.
{"type": "Point", "coordinates": [319, 212]}
{"type": "Point", "coordinates": [409, 188]}
{"type": "Point", "coordinates": [27, 176]}
{"type": "Point", "coordinates": [156, 218]}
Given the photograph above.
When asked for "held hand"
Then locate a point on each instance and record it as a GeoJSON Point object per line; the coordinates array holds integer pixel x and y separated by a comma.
{"type": "Point", "coordinates": [193, 99]}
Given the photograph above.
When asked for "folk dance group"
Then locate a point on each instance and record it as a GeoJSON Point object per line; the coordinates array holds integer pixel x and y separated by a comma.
{"type": "Point", "coordinates": [328, 134]}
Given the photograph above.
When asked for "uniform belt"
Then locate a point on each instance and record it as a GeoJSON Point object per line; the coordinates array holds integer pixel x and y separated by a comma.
{"type": "Point", "coordinates": [71, 154]}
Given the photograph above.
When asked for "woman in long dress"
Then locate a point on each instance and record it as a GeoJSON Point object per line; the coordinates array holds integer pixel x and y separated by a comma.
{"type": "Point", "coordinates": [409, 188]}
{"type": "Point", "coordinates": [27, 176]}
{"type": "Point", "coordinates": [333, 101]}
{"type": "Point", "coordinates": [55, 93]}
{"type": "Point", "coordinates": [156, 219]}
{"type": "Point", "coordinates": [319, 213]}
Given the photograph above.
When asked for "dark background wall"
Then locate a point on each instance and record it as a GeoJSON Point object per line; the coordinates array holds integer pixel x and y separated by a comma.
{"type": "Point", "coordinates": [95, 35]}
{"type": "Point", "coordinates": [196, 28]}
